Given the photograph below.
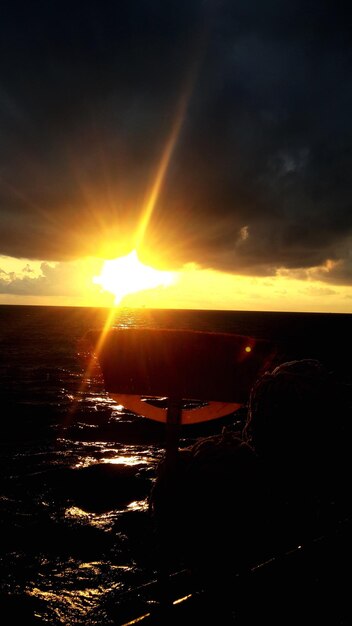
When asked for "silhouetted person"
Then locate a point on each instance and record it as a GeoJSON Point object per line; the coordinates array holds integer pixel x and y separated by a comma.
{"type": "Point", "coordinates": [231, 503]}
{"type": "Point", "coordinates": [295, 425]}
{"type": "Point", "coordinates": [208, 513]}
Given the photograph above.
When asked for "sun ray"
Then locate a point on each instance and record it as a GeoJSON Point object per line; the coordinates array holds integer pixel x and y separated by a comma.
{"type": "Point", "coordinates": [94, 352]}
{"type": "Point", "coordinates": [150, 278]}
{"type": "Point", "coordinates": [170, 146]}
{"type": "Point", "coordinates": [161, 171]}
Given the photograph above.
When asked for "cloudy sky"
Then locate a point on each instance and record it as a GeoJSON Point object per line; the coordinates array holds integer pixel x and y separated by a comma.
{"type": "Point", "coordinates": [242, 108]}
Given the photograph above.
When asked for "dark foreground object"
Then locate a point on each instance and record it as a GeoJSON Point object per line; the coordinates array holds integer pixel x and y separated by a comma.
{"type": "Point", "coordinates": [264, 516]}
{"type": "Point", "coordinates": [181, 364]}
{"type": "Point", "coordinates": [307, 585]}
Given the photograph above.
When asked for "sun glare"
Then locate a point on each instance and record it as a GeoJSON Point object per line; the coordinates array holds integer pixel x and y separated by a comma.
{"type": "Point", "coordinates": [127, 275]}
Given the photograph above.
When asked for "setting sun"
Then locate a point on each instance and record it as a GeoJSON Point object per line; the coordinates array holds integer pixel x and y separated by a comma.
{"type": "Point", "coordinates": [127, 275]}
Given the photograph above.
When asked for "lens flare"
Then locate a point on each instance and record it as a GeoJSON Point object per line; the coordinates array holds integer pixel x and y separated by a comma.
{"type": "Point", "coordinates": [127, 275]}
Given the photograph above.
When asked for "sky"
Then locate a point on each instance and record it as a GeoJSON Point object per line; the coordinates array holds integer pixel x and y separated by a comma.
{"type": "Point", "coordinates": [212, 136]}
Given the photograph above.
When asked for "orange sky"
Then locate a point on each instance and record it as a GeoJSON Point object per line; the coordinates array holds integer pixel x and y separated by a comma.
{"type": "Point", "coordinates": [202, 135]}
{"type": "Point", "coordinates": [71, 284]}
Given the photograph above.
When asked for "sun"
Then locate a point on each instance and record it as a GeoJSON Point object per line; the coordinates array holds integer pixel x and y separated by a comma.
{"type": "Point", "coordinates": [127, 275]}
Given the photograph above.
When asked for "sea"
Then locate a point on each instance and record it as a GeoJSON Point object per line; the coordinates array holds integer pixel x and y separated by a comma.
{"type": "Point", "coordinates": [77, 468]}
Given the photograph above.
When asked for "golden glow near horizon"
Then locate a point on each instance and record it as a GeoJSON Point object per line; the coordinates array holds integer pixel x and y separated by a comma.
{"type": "Point", "coordinates": [70, 283]}
{"type": "Point", "coordinates": [127, 275]}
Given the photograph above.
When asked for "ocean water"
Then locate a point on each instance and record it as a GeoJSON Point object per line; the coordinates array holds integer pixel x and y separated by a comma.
{"type": "Point", "coordinates": [76, 468]}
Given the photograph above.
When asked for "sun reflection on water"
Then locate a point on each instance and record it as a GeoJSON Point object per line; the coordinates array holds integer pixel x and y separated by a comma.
{"type": "Point", "coordinates": [78, 602]}
{"type": "Point", "coordinates": [125, 460]}
{"type": "Point", "coordinates": [95, 582]}
{"type": "Point", "coordinates": [118, 408]}
{"type": "Point", "coordinates": [86, 462]}
{"type": "Point", "coordinates": [104, 521]}
{"type": "Point", "coordinates": [138, 505]}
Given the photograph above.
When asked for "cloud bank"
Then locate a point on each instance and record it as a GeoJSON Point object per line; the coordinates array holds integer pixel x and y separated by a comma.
{"type": "Point", "coordinates": [259, 181]}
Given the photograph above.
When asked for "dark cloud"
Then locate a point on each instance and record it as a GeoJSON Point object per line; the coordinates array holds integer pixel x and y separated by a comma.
{"type": "Point", "coordinates": [88, 93]}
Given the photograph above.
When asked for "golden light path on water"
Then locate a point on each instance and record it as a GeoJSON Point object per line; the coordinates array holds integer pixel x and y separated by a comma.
{"type": "Point", "coordinates": [120, 276]}
{"type": "Point", "coordinates": [70, 600]}
{"type": "Point", "coordinates": [74, 588]}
